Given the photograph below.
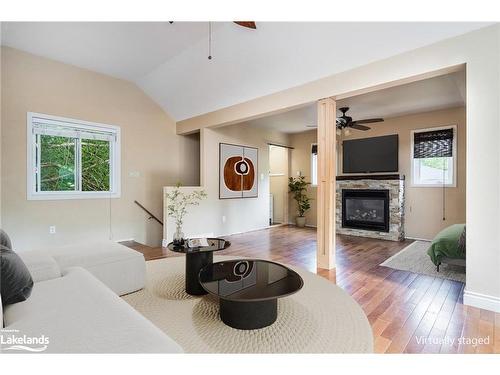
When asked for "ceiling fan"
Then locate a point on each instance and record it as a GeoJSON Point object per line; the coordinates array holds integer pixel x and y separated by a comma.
{"type": "Point", "coordinates": [247, 24]}
{"type": "Point", "coordinates": [345, 122]}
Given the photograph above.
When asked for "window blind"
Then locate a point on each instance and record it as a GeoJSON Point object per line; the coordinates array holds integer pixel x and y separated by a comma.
{"type": "Point", "coordinates": [314, 149]}
{"type": "Point", "coordinates": [69, 130]}
{"type": "Point", "coordinates": [433, 144]}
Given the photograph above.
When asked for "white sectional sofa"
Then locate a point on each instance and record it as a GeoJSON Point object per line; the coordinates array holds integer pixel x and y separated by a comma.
{"type": "Point", "coordinates": [120, 268]}
{"type": "Point", "coordinates": [75, 302]}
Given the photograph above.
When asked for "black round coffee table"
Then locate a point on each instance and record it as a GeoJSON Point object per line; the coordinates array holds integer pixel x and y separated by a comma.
{"type": "Point", "coordinates": [248, 290]}
{"type": "Point", "coordinates": [196, 259]}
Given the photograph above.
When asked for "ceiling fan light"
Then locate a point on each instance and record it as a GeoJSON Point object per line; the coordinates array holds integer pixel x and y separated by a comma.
{"type": "Point", "coordinates": [339, 132]}
{"type": "Point", "coordinates": [347, 132]}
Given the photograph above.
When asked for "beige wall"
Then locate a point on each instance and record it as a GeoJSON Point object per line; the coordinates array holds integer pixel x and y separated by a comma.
{"type": "Point", "coordinates": [423, 218]}
{"type": "Point", "coordinates": [220, 217]}
{"type": "Point", "coordinates": [278, 182]}
{"type": "Point", "coordinates": [300, 164]}
{"type": "Point", "coordinates": [149, 146]}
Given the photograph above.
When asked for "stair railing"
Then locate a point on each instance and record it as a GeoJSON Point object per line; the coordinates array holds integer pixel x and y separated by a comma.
{"type": "Point", "coordinates": [151, 215]}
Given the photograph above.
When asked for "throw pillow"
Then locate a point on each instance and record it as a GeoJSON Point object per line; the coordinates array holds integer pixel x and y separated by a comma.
{"type": "Point", "coordinates": [15, 279]}
{"type": "Point", "coordinates": [5, 240]}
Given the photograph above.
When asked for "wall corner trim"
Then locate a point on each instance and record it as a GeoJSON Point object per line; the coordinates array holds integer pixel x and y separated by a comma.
{"type": "Point", "coordinates": [482, 301]}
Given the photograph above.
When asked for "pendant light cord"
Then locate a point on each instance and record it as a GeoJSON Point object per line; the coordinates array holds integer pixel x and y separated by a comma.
{"type": "Point", "coordinates": [444, 190]}
{"type": "Point", "coordinates": [110, 218]}
{"type": "Point", "coordinates": [210, 40]}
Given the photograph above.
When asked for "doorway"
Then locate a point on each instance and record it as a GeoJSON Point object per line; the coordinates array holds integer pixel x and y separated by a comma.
{"type": "Point", "coordinates": [278, 184]}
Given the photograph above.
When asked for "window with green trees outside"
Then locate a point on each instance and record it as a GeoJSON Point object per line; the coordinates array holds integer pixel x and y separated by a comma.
{"type": "Point", "coordinates": [71, 159]}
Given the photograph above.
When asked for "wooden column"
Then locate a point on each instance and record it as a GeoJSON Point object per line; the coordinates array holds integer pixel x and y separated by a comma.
{"type": "Point", "coordinates": [326, 183]}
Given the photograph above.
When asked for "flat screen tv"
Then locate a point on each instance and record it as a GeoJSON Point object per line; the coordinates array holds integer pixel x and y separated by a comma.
{"type": "Point", "coordinates": [371, 155]}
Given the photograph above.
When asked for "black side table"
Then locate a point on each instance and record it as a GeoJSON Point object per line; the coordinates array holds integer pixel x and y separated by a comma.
{"type": "Point", "coordinates": [196, 259]}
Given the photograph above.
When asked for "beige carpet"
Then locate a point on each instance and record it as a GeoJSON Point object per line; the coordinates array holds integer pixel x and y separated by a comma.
{"type": "Point", "coordinates": [414, 258]}
{"type": "Point", "coordinates": [320, 318]}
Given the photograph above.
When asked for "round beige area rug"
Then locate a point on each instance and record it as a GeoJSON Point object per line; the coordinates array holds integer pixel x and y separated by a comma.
{"type": "Point", "coordinates": [320, 318]}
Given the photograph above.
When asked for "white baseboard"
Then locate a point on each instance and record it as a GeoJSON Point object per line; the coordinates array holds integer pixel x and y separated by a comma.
{"type": "Point", "coordinates": [482, 301]}
{"type": "Point", "coordinates": [242, 232]}
{"type": "Point", "coordinates": [417, 239]}
{"type": "Point", "coordinates": [307, 225]}
{"type": "Point", "coordinates": [124, 239]}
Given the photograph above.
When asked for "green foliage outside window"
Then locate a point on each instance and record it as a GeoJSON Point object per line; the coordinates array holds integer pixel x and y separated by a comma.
{"type": "Point", "coordinates": [95, 165]}
{"type": "Point", "coordinates": [436, 163]}
{"type": "Point", "coordinates": [57, 164]}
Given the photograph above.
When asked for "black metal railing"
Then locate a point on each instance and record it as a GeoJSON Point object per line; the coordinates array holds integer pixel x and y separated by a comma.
{"type": "Point", "coordinates": [151, 215]}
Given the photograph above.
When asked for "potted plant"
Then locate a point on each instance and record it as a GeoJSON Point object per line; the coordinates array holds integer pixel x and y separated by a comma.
{"type": "Point", "coordinates": [298, 188]}
{"type": "Point", "coordinates": [178, 202]}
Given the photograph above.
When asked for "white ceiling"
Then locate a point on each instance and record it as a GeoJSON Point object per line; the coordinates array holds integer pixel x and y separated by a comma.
{"type": "Point", "coordinates": [127, 50]}
{"type": "Point", "coordinates": [169, 61]}
{"type": "Point", "coordinates": [441, 92]}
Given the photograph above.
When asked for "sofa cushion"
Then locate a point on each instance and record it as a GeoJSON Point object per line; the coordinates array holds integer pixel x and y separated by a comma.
{"type": "Point", "coordinates": [5, 240]}
{"type": "Point", "coordinates": [41, 265]}
{"type": "Point", "coordinates": [78, 314]}
{"type": "Point", "coordinates": [122, 269]}
{"type": "Point", "coordinates": [15, 279]}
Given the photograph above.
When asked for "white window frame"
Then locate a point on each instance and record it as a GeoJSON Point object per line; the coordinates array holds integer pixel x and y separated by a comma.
{"type": "Point", "coordinates": [314, 171]}
{"type": "Point", "coordinates": [454, 156]}
{"type": "Point", "coordinates": [115, 160]}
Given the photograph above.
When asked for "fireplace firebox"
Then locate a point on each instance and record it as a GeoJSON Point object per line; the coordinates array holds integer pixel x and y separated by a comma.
{"type": "Point", "coordinates": [366, 209]}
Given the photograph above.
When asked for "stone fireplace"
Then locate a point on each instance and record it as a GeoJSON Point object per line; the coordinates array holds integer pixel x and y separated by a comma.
{"type": "Point", "coordinates": [371, 206]}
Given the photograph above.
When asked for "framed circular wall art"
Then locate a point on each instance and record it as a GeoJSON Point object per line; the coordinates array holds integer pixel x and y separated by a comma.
{"type": "Point", "coordinates": [238, 171]}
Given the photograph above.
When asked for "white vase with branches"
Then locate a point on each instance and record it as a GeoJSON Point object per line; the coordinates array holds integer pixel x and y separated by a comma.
{"type": "Point", "coordinates": [177, 208]}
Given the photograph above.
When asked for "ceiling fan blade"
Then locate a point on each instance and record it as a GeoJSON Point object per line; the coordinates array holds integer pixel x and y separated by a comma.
{"type": "Point", "coordinates": [368, 121]}
{"type": "Point", "coordinates": [247, 24]}
{"type": "Point", "coordinates": [359, 127]}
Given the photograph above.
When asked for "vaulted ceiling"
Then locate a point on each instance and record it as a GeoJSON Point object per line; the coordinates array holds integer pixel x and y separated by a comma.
{"type": "Point", "coordinates": [169, 61]}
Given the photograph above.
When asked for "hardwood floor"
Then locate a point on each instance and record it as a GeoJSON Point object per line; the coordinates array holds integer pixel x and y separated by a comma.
{"type": "Point", "coordinates": [409, 313]}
